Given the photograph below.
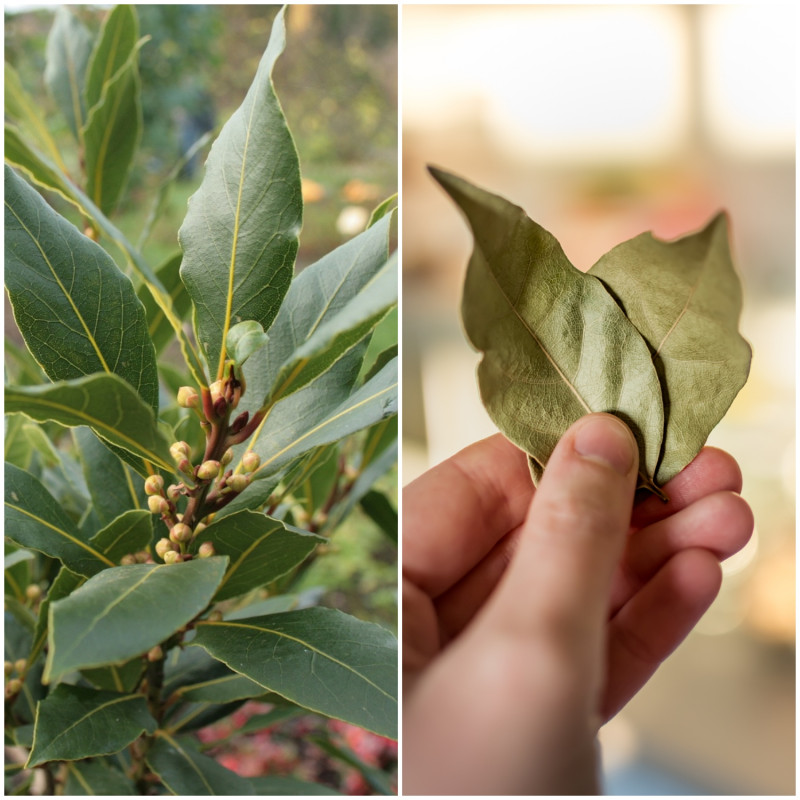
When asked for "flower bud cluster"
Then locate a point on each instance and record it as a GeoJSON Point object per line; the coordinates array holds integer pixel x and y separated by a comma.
{"type": "Point", "coordinates": [207, 485]}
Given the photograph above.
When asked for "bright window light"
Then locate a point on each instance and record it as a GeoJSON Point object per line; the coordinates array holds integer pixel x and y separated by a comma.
{"type": "Point", "coordinates": [553, 82]}
{"type": "Point", "coordinates": [750, 75]}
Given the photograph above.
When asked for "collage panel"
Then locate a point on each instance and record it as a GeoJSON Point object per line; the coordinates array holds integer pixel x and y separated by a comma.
{"type": "Point", "coordinates": [201, 399]}
{"type": "Point", "coordinates": [598, 216]}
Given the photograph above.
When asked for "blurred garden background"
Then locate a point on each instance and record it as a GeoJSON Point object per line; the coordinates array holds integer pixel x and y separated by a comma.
{"type": "Point", "coordinates": [337, 83]}
{"type": "Point", "coordinates": [604, 122]}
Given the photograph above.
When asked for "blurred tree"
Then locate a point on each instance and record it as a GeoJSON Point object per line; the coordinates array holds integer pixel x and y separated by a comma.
{"type": "Point", "coordinates": [184, 52]}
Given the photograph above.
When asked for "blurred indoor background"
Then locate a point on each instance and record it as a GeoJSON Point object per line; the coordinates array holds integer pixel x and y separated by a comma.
{"type": "Point", "coordinates": [604, 122]}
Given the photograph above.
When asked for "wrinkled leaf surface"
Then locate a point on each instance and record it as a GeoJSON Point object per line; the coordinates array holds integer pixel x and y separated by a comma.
{"type": "Point", "coordinates": [555, 344]}
{"type": "Point", "coordinates": [685, 299]}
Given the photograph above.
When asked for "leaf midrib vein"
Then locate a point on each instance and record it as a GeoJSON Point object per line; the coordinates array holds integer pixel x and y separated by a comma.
{"type": "Point", "coordinates": [538, 341]}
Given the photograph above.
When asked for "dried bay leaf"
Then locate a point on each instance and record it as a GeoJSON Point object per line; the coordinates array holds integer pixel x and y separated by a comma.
{"type": "Point", "coordinates": [685, 299]}
{"type": "Point", "coordinates": [553, 349]}
{"type": "Point", "coordinates": [555, 344]}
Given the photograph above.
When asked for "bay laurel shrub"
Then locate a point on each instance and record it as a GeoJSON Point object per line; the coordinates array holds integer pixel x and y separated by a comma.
{"type": "Point", "coordinates": [157, 514]}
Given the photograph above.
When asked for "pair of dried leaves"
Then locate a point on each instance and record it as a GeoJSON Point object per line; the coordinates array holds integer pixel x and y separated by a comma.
{"type": "Point", "coordinates": [650, 334]}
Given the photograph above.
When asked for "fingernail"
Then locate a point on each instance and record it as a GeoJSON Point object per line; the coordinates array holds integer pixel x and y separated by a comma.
{"type": "Point", "coordinates": [607, 440]}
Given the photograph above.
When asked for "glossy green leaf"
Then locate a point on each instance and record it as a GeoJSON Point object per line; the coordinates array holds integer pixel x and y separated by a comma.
{"type": "Point", "coordinates": [77, 312]}
{"type": "Point", "coordinates": [114, 487]}
{"type": "Point", "coordinates": [114, 45]}
{"type": "Point", "coordinates": [45, 173]}
{"type": "Point", "coordinates": [96, 778]}
{"type": "Point", "coordinates": [69, 45]}
{"type": "Point", "coordinates": [374, 401]}
{"type": "Point", "coordinates": [34, 519]}
{"type": "Point", "coordinates": [101, 622]}
{"type": "Point", "coordinates": [685, 298]}
{"type": "Point", "coordinates": [184, 771]}
{"type": "Point", "coordinates": [239, 237]}
{"type": "Point", "coordinates": [74, 723]}
{"type": "Point", "coordinates": [317, 295]}
{"type": "Point", "coordinates": [128, 533]}
{"type": "Point", "coordinates": [260, 548]}
{"type": "Point", "coordinates": [194, 716]}
{"type": "Point", "coordinates": [112, 134]}
{"type": "Point", "coordinates": [106, 403]}
{"type": "Point", "coordinates": [319, 658]}
{"type": "Point", "coordinates": [20, 153]}
{"type": "Point", "coordinates": [330, 339]}
{"type": "Point", "coordinates": [555, 344]}
{"type": "Point", "coordinates": [314, 484]}
{"type": "Point", "coordinates": [381, 360]}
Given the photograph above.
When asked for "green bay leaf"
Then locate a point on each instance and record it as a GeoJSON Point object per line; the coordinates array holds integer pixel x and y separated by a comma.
{"type": "Point", "coordinates": [685, 299]}
{"type": "Point", "coordinates": [123, 612]}
{"type": "Point", "coordinates": [260, 548]}
{"type": "Point", "coordinates": [240, 234]}
{"type": "Point", "coordinates": [319, 658]}
{"type": "Point", "coordinates": [555, 344]}
{"type": "Point", "coordinates": [34, 519]}
{"type": "Point", "coordinates": [76, 311]}
{"type": "Point", "coordinates": [112, 134]}
{"type": "Point", "coordinates": [114, 45]}
{"type": "Point", "coordinates": [104, 402]}
{"type": "Point", "coordinates": [73, 722]}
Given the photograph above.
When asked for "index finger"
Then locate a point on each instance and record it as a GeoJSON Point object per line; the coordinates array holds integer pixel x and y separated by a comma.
{"type": "Point", "coordinates": [711, 471]}
{"type": "Point", "coordinates": [455, 513]}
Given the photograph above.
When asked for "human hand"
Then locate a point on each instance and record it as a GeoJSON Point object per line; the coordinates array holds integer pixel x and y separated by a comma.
{"type": "Point", "coordinates": [505, 690]}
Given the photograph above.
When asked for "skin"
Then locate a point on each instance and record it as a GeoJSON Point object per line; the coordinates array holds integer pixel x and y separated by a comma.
{"type": "Point", "coordinates": [531, 616]}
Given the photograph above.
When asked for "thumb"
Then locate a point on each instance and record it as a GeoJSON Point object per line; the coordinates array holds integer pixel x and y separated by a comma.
{"type": "Point", "coordinates": [558, 584]}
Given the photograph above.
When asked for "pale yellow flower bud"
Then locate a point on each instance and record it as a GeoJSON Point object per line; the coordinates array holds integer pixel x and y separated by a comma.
{"type": "Point", "coordinates": [180, 533]}
{"type": "Point", "coordinates": [206, 550]}
{"type": "Point", "coordinates": [188, 397]}
{"type": "Point", "coordinates": [250, 461]}
{"type": "Point", "coordinates": [157, 504]}
{"type": "Point", "coordinates": [154, 485]}
{"type": "Point", "coordinates": [239, 483]}
{"type": "Point", "coordinates": [208, 470]}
